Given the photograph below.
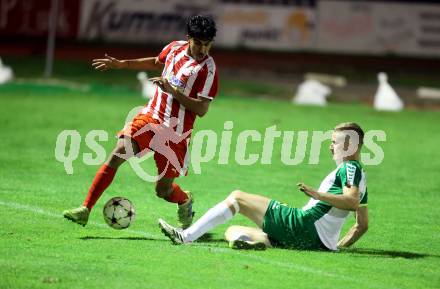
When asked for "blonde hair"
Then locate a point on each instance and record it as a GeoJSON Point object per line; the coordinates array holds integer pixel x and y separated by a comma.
{"type": "Point", "coordinates": [351, 126]}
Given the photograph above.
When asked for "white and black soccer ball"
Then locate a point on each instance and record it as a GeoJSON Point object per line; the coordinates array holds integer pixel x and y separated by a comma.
{"type": "Point", "coordinates": [119, 213]}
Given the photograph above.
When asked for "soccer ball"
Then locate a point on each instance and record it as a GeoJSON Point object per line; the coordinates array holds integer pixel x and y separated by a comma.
{"type": "Point", "coordinates": [119, 213]}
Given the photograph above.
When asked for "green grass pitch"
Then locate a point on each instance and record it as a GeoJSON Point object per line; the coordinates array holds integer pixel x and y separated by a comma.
{"type": "Point", "coordinates": [39, 249]}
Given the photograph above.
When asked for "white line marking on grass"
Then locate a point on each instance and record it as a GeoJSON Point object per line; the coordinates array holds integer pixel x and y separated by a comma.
{"type": "Point", "coordinates": [28, 208]}
{"type": "Point", "coordinates": [72, 85]}
{"type": "Point", "coordinates": [41, 211]}
{"type": "Point", "coordinates": [296, 267]}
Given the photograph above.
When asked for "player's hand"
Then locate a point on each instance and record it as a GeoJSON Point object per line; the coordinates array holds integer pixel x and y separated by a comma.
{"type": "Point", "coordinates": [307, 190]}
{"type": "Point", "coordinates": [107, 63]}
{"type": "Point", "coordinates": [163, 83]}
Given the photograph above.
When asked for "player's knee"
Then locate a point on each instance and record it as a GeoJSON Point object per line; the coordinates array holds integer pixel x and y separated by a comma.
{"type": "Point", "coordinates": [163, 191]}
{"type": "Point", "coordinates": [233, 201]}
{"type": "Point", "coordinates": [236, 194]}
{"type": "Point", "coordinates": [125, 148]}
{"type": "Point", "coordinates": [117, 158]}
{"type": "Point", "coordinates": [119, 149]}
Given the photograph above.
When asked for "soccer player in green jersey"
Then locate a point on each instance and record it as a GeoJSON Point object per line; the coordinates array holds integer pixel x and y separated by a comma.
{"type": "Point", "coordinates": [315, 226]}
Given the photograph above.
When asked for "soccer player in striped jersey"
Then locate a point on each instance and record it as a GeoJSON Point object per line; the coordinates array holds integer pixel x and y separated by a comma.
{"type": "Point", "coordinates": [185, 89]}
{"type": "Point", "coordinates": [316, 226]}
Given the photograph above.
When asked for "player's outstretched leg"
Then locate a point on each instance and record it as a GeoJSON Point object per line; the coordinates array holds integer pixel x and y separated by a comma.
{"type": "Point", "coordinates": [174, 234]}
{"type": "Point", "coordinates": [171, 192]}
{"type": "Point", "coordinates": [252, 206]}
{"type": "Point", "coordinates": [126, 147]}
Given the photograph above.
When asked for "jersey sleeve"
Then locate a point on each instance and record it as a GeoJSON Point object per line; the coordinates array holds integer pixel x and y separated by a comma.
{"type": "Point", "coordinates": [165, 51]}
{"type": "Point", "coordinates": [208, 86]}
{"type": "Point", "coordinates": [364, 200]}
{"type": "Point", "coordinates": [350, 174]}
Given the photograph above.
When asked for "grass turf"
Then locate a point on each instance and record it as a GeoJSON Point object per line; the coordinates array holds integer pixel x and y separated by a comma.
{"type": "Point", "coordinates": [39, 249]}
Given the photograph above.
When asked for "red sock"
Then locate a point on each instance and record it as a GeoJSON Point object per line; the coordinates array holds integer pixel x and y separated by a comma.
{"type": "Point", "coordinates": [103, 178]}
{"type": "Point", "coordinates": [177, 196]}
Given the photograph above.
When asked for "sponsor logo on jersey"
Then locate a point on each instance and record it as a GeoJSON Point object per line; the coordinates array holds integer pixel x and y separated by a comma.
{"type": "Point", "coordinates": [176, 82]}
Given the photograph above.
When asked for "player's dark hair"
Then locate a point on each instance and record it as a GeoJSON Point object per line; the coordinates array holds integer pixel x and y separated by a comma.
{"type": "Point", "coordinates": [353, 127]}
{"type": "Point", "coordinates": [201, 27]}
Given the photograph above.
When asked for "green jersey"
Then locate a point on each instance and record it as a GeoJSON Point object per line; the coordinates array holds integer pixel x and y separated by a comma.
{"type": "Point", "coordinates": [328, 220]}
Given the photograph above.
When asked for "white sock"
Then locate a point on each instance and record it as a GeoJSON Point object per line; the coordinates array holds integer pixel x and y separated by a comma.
{"type": "Point", "coordinates": [217, 215]}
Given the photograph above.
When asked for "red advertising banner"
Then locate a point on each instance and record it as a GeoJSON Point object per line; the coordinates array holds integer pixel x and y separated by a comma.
{"type": "Point", "coordinates": [30, 18]}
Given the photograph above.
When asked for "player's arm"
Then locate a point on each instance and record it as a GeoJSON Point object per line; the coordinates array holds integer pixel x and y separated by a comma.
{"type": "Point", "coordinates": [348, 200]}
{"type": "Point", "coordinates": [358, 229]}
{"type": "Point", "coordinates": [198, 105]}
{"type": "Point", "coordinates": [109, 62]}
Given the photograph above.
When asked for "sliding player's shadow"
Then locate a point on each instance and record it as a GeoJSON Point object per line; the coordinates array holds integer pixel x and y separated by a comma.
{"type": "Point", "coordinates": [205, 238]}
{"type": "Point", "coordinates": [359, 252]}
{"type": "Point", "coordinates": [85, 238]}
{"type": "Point", "coordinates": [208, 238]}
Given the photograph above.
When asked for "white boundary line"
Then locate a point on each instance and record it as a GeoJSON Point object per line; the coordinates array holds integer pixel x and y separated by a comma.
{"type": "Point", "coordinates": [41, 211]}
{"type": "Point", "coordinates": [54, 82]}
{"type": "Point", "coordinates": [305, 269]}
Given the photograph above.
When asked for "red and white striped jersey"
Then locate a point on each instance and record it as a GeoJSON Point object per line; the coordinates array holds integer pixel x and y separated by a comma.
{"type": "Point", "coordinates": [193, 78]}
